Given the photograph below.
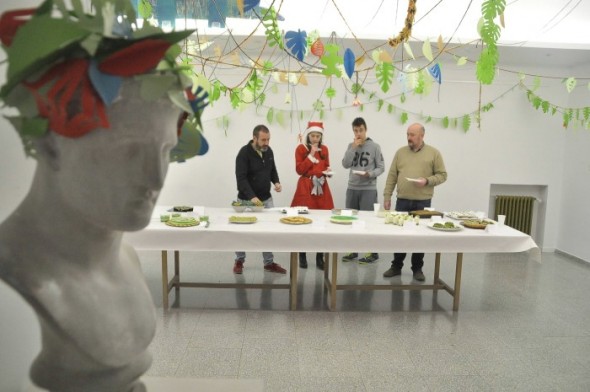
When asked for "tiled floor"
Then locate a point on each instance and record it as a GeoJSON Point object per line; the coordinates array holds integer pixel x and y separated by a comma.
{"type": "Point", "coordinates": [523, 325]}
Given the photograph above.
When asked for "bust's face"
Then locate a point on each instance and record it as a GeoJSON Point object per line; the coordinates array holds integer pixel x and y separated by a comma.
{"type": "Point", "coordinates": [113, 177]}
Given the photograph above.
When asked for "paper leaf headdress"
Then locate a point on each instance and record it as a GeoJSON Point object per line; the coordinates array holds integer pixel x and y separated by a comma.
{"type": "Point", "coordinates": [66, 66]}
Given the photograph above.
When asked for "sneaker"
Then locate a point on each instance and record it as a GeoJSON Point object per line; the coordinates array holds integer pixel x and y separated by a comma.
{"type": "Point", "coordinates": [393, 271]}
{"type": "Point", "coordinates": [350, 257]}
{"type": "Point", "coordinates": [419, 276]}
{"type": "Point", "coordinates": [239, 267]}
{"type": "Point", "coordinates": [274, 267]}
{"type": "Point", "coordinates": [370, 258]}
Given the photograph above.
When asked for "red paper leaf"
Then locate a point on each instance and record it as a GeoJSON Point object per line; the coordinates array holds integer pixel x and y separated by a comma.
{"type": "Point", "coordinates": [71, 105]}
{"type": "Point", "coordinates": [135, 59]}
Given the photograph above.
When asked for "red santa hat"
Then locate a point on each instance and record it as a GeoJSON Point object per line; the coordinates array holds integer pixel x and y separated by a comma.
{"type": "Point", "coordinates": [314, 126]}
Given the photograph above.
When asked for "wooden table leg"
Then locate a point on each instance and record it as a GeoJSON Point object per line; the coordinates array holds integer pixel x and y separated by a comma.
{"type": "Point", "coordinates": [293, 272]}
{"type": "Point", "coordinates": [177, 272]}
{"type": "Point", "coordinates": [334, 281]}
{"type": "Point", "coordinates": [458, 269]}
{"type": "Point", "coordinates": [165, 279]}
{"type": "Point", "coordinates": [436, 268]}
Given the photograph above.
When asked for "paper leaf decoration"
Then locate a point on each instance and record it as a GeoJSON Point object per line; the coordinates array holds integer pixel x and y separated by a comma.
{"type": "Point", "coordinates": [297, 43]}
{"type": "Point", "coordinates": [427, 50]}
{"type": "Point", "coordinates": [384, 73]}
{"type": "Point", "coordinates": [317, 48]}
{"type": "Point", "coordinates": [408, 50]}
{"type": "Point", "coordinates": [461, 61]}
{"type": "Point", "coordinates": [376, 56]}
{"type": "Point", "coordinates": [107, 86]}
{"type": "Point", "coordinates": [349, 62]}
{"type": "Point", "coordinates": [434, 71]}
{"type": "Point", "coordinates": [331, 60]}
{"type": "Point", "coordinates": [246, 5]}
{"type": "Point", "coordinates": [440, 43]}
{"type": "Point", "coordinates": [570, 84]}
{"type": "Point", "coordinates": [190, 143]}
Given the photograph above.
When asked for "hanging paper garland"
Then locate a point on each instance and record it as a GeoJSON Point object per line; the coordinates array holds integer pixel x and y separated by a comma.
{"type": "Point", "coordinates": [435, 72]}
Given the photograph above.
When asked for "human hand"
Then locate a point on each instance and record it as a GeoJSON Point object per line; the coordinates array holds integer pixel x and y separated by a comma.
{"type": "Point", "coordinates": [421, 183]}
{"type": "Point", "coordinates": [313, 150]}
{"type": "Point", "coordinates": [256, 201]}
{"type": "Point", "coordinates": [358, 141]}
{"type": "Point", "coordinates": [278, 187]}
{"type": "Point", "coordinates": [387, 204]}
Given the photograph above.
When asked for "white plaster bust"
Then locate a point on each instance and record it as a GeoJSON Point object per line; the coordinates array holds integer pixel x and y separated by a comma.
{"type": "Point", "coordinates": [61, 248]}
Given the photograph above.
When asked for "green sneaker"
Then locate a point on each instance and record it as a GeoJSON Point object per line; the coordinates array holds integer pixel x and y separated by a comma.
{"type": "Point", "coordinates": [350, 257]}
{"type": "Point", "coordinates": [370, 258]}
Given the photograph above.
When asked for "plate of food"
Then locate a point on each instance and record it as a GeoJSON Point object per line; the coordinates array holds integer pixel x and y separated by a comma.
{"type": "Point", "coordinates": [444, 226]}
{"type": "Point", "coordinates": [477, 223]}
{"type": "Point", "coordinates": [338, 211]}
{"type": "Point", "coordinates": [244, 205]}
{"type": "Point", "coordinates": [182, 221]}
{"type": "Point", "coordinates": [343, 219]}
{"type": "Point", "coordinates": [295, 220]}
{"type": "Point", "coordinates": [359, 172]}
{"type": "Point", "coordinates": [426, 213]}
{"type": "Point", "coordinates": [242, 219]}
{"type": "Point", "coordinates": [462, 215]}
{"type": "Point", "coordinates": [328, 173]}
{"type": "Point", "coordinates": [182, 209]}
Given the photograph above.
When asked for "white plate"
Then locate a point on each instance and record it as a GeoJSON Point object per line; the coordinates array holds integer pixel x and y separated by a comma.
{"type": "Point", "coordinates": [412, 179]}
{"type": "Point", "coordinates": [359, 172]}
{"type": "Point", "coordinates": [456, 228]}
{"type": "Point", "coordinates": [328, 173]}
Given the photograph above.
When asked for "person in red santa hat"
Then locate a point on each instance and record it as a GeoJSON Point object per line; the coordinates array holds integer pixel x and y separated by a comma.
{"type": "Point", "coordinates": [312, 163]}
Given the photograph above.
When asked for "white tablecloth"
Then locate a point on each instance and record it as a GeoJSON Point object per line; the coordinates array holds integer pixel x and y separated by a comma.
{"type": "Point", "coordinates": [370, 234]}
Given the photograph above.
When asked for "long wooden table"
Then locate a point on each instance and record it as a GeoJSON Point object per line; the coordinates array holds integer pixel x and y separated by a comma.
{"type": "Point", "coordinates": [368, 233]}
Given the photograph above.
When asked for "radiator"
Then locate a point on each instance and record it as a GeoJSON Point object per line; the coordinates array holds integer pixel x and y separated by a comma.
{"type": "Point", "coordinates": [518, 211]}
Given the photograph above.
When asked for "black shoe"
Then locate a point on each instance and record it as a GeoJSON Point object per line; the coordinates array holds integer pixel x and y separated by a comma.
{"type": "Point", "coordinates": [393, 271]}
{"type": "Point", "coordinates": [319, 261]}
{"type": "Point", "coordinates": [350, 257]}
{"type": "Point", "coordinates": [302, 260]}
{"type": "Point", "coordinates": [419, 276]}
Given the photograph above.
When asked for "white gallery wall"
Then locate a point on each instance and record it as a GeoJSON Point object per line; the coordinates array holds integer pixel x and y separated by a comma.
{"type": "Point", "coordinates": [516, 145]}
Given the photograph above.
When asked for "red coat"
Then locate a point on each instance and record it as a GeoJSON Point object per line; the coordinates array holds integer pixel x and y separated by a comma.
{"type": "Point", "coordinates": [307, 169]}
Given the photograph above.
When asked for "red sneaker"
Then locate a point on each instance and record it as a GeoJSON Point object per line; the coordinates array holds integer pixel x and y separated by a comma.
{"type": "Point", "coordinates": [239, 267]}
{"type": "Point", "coordinates": [274, 267]}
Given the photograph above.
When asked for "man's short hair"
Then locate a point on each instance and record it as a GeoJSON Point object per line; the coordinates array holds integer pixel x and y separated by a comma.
{"type": "Point", "coordinates": [357, 122]}
{"type": "Point", "coordinates": [260, 128]}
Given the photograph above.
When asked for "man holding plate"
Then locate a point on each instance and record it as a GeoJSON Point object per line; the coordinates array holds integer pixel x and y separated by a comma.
{"type": "Point", "coordinates": [416, 170]}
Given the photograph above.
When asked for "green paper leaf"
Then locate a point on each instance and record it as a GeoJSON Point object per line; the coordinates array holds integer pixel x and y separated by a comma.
{"type": "Point", "coordinates": [144, 9]}
{"type": "Point", "coordinates": [331, 60]}
{"type": "Point", "coordinates": [281, 118]}
{"type": "Point", "coordinates": [428, 119]}
{"type": "Point", "coordinates": [384, 73]}
{"type": "Point", "coordinates": [570, 84]}
{"type": "Point", "coordinates": [427, 50]}
{"type": "Point", "coordinates": [404, 118]}
{"type": "Point", "coordinates": [32, 49]}
{"type": "Point", "coordinates": [536, 83]}
{"type": "Point", "coordinates": [234, 97]}
{"type": "Point", "coordinates": [408, 50]}
{"type": "Point", "coordinates": [380, 104]}
{"type": "Point", "coordinates": [390, 108]}
{"type": "Point", "coordinates": [466, 122]}
{"type": "Point", "coordinates": [330, 92]}
{"type": "Point", "coordinates": [486, 65]}
{"type": "Point", "coordinates": [270, 115]}
{"type": "Point", "coordinates": [545, 106]}
{"type": "Point", "coordinates": [273, 34]}
{"type": "Point", "coordinates": [402, 98]}
{"type": "Point", "coordinates": [445, 122]}
{"type": "Point", "coordinates": [462, 61]}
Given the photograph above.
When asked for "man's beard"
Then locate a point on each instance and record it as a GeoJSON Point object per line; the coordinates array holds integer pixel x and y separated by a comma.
{"type": "Point", "coordinates": [262, 148]}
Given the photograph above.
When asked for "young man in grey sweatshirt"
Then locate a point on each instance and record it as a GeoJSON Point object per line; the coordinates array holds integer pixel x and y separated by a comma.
{"type": "Point", "coordinates": [364, 159]}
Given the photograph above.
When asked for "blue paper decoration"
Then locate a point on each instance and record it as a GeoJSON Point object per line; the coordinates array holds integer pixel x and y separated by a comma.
{"type": "Point", "coordinates": [349, 60]}
{"type": "Point", "coordinates": [297, 43]}
{"type": "Point", "coordinates": [107, 86]}
{"type": "Point", "coordinates": [250, 4]}
{"type": "Point", "coordinates": [435, 72]}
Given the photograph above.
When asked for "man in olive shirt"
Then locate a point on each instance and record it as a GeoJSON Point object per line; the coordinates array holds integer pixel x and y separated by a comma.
{"type": "Point", "coordinates": [416, 170]}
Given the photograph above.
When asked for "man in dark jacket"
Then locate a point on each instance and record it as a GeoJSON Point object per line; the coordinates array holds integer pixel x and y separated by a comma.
{"type": "Point", "coordinates": [255, 172]}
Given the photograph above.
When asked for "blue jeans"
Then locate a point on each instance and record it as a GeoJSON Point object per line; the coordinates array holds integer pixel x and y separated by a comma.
{"type": "Point", "coordinates": [267, 257]}
{"type": "Point", "coordinates": [417, 258]}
